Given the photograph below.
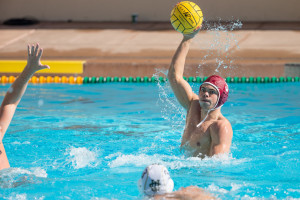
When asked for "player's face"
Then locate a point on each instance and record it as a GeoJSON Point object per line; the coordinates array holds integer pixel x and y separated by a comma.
{"type": "Point", "coordinates": [208, 96]}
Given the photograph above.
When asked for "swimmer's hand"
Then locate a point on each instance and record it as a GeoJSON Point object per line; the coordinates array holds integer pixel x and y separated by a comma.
{"type": "Point", "coordinates": [191, 35]}
{"type": "Point", "coordinates": [33, 61]}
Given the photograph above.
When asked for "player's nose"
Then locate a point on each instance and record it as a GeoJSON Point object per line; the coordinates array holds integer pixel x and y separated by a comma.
{"type": "Point", "coordinates": [205, 94]}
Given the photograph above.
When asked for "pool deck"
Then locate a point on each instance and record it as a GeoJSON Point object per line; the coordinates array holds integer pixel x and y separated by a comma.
{"type": "Point", "coordinates": [143, 49]}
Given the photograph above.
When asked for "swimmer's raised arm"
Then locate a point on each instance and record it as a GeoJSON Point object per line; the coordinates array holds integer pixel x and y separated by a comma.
{"type": "Point", "coordinates": [180, 87]}
{"type": "Point", "coordinates": [17, 89]}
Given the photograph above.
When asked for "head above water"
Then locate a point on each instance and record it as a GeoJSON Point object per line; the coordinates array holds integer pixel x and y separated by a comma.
{"type": "Point", "coordinates": [155, 180]}
{"type": "Point", "coordinates": [221, 86]}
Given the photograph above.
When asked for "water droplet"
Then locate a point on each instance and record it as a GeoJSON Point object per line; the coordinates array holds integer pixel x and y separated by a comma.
{"type": "Point", "coordinates": [41, 102]}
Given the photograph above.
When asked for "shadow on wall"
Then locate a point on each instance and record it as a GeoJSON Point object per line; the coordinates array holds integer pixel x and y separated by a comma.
{"type": "Point", "coordinates": [21, 21]}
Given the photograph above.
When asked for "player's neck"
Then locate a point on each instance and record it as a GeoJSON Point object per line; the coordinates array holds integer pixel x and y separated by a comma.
{"type": "Point", "coordinates": [212, 114]}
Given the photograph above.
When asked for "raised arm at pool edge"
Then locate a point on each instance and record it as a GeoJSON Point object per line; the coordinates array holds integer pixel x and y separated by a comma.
{"type": "Point", "coordinates": [14, 95]}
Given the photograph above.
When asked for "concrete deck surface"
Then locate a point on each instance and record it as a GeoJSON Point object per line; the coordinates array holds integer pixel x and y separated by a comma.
{"type": "Point", "coordinates": [125, 49]}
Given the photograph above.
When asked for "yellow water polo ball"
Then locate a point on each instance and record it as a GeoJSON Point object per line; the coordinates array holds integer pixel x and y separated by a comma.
{"type": "Point", "coordinates": [186, 17]}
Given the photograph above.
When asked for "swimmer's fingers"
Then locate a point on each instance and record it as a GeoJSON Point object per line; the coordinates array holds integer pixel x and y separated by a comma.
{"type": "Point", "coordinates": [34, 56]}
{"type": "Point", "coordinates": [28, 50]}
{"type": "Point", "coordinates": [191, 35]}
{"type": "Point", "coordinates": [39, 57]}
{"type": "Point", "coordinates": [32, 50]}
{"type": "Point", "coordinates": [36, 49]}
{"type": "Point", "coordinates": [45, 66]}
{"type": "Point", "coordinates": [40, 53]}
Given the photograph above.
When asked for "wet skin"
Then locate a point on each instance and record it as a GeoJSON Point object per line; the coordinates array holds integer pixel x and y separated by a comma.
{"type": "Point", "coordinates": [214, 135]}
{"type": "Point", "coordinates": [15, 93]}
{"type": "Point", "coordinates": [198, 141]}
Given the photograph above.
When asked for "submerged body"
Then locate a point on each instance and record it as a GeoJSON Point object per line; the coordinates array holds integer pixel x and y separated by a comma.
{"type": "Point", "coordinates": [207, 131]}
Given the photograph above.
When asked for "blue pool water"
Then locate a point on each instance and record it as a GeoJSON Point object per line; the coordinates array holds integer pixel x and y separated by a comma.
{"type": "Point", "coordinates": [93, 142]}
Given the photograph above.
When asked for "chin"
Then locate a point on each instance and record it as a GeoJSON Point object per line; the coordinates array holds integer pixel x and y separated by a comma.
{"type": "Point", "coordinates": [204, 105]}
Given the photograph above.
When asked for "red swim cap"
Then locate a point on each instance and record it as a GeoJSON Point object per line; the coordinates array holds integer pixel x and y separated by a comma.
{"type": "Point", "coordinates": [219, 84]}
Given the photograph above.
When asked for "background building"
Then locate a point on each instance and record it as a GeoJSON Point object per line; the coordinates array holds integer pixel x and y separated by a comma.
{"type": "Point", "coordinates": [148, 10]}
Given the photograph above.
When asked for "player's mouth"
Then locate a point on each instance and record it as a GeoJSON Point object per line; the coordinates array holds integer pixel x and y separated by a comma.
{"type": "Point", "coordinates": [205, 100]}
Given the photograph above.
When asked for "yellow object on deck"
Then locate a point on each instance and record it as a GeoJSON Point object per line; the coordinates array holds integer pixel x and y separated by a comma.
{"type": "Point", "coordinates": [56, 66]}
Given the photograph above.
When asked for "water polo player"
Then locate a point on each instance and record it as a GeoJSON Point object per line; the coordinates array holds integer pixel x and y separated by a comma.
{"type": "Point", "coordinates": [207, 131]}
{"type": "Point", "coordinates": [14, 95]}
{"type": "Point", "coordinates": [156, 182]}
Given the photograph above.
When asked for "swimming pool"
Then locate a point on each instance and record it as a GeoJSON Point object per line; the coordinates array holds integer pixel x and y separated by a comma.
{"type": "Point", "coordinates": [93, 142]}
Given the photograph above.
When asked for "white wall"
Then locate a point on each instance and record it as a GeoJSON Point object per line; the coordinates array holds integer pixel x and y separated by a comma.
{"type": "Point", "coordinates": [148, 10]}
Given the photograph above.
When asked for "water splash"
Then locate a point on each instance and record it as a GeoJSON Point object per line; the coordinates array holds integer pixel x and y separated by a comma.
{"type": "Point", "coordinates": [172, 162]}
{"type": "Point", "coordinates": [82, 157]}
{"type": "Point", "coordinates": [170, 109]}
{"type": "Point", "coordinates": [18, 197]}
{"type": "Point", "coordinates": [40, 102]}
{"type": "Point", "coordinates": [223, 43]}
{"type": "Point", "coordinates": [221, 25]}
{"type": "Point", "coordinates": [20, 143]}
{"type": "Point", "coordinates": [14, 177]}
{"type": "Point", "coordinates": [15, 196]}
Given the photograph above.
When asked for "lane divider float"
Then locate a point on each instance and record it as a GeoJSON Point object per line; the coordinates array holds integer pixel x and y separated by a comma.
{"type": "Point", "coordinates": [138, 79]}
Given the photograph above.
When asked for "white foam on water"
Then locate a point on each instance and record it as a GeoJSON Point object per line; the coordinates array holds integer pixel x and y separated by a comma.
{"type": "Point", "coordinates": [22, 197]}
{"type": "Point", "coordinates": [247, 197]}
{"type": "Point", "coordinates": [37, 172]}
{"type": "Point", "coordinates": [235, 188]}
{"type": "Point", "coordinates": [213, 188]}
{"type": "Point", "coordinates": [18, 197]}
{"type": "Point", "coordinates": [139, 160]}
{"type": "Point", "coordinates": [20, 143]}
{"type": "Point", "coordinates": [171, 162]}
{"type": "Point", "coordinates": [294, 190]}
{"type": "Point", "coordinates": [14, 177]}
{"type": "Point", "coordinates": [82, 157]}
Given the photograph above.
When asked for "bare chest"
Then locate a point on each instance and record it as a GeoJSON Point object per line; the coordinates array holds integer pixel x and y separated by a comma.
{"type": "Point", "coordinates": [196, 140]}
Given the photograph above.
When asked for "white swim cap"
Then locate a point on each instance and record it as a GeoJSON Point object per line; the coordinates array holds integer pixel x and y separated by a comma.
{"type": "Point", "coordinates": [155, 180]}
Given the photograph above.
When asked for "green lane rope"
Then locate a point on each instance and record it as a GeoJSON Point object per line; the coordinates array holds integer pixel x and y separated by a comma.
{"type": "Point", "coordinates": [190, 79]}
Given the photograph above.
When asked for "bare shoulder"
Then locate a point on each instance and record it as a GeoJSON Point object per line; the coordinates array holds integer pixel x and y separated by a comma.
{"type": "Point", "coordinates": [221, 124]}
{"type": "Point", "coordinates": [195, 193]}
{"type": "Point", "coordinates": [221, 130]}
{"type": "Point", "coordinates": [191, 192]}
